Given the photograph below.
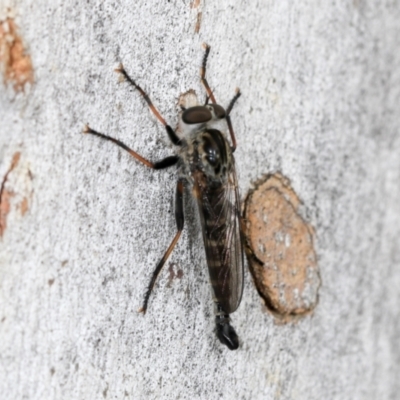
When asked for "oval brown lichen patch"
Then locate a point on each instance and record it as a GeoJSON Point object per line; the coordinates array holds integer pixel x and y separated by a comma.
{"type": "Point", "coordinates": [280, 248]}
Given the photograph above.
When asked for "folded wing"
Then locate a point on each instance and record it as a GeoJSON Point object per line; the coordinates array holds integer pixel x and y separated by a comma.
{"type": "Point", "coordinates": [219, 208]}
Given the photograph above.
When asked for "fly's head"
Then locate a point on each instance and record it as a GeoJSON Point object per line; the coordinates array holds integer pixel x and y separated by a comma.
{"type": "Point", "coordinates": [203, 114]}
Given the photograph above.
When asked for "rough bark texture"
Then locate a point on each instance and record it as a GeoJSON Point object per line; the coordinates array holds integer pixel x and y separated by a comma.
{"type": "Point", "coordinates": [86, 224]}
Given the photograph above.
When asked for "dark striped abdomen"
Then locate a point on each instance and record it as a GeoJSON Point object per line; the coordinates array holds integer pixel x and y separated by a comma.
{"type": "Point", "coordinates": [222, 242]}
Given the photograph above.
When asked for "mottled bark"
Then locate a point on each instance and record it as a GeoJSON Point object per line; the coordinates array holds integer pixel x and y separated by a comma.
{"type": "Point", "coordinates": [86, 223]}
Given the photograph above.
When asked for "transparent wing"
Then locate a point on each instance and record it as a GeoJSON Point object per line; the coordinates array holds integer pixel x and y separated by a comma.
{"type": "Point", "coordinates": [219, 208]}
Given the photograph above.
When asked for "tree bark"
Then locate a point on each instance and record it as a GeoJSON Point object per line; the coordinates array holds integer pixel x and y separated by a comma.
{"type": "Point", "coordinates": [83, 224]}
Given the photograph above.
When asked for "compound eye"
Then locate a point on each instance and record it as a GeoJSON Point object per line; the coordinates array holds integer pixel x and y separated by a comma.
{"type": "Point", "coordinates": [218, 111]}
{"type": "Point", "coordinates": [212, 153]}
{"type": "Point", "coordinates": [196, 115]}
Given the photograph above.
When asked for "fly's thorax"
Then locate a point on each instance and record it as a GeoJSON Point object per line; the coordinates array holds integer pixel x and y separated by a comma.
{"type": "Point", "coordinates": [210, 153]}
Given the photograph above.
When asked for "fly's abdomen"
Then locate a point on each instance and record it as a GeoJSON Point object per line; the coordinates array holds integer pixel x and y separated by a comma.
{"type": "Point", "coordinates": [222, 242]}
{"type": "Point", "coordinates": [218, 264]}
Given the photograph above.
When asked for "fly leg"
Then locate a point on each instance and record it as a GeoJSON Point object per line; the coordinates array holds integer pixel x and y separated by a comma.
{"type": "Point", "coordinates": [164, 163]}
{"type": "Point", "coordinates": [228, 119]}
{"type": "Point", "coordinates": [210, 95]}
{"type": "Point", "coordinates": [225, 332]}
{"type": "Point", "coordinates": [203, 79]}
{"type": "Point", "coordinates": [179, 217]}
{"type": "Point", "coordinates": [171, 133]}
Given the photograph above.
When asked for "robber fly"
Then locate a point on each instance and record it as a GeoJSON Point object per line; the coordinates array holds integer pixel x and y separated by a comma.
{"type": "Point", "coordinates": [206, 165]}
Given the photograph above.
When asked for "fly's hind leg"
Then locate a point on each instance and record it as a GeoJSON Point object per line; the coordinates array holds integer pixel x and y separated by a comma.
{"type": "Point", "coordinates": [171, 133]}
{"type": "Point", "coordinates": [179, 217]}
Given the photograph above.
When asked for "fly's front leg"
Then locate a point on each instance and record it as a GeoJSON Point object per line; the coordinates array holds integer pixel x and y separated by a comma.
{"type": "Point", "coordinates": [228, 119]}
{"type": "Point", "coordinates": [210, 94]}
{"type": "Point", "coordinates": [164, 163]}
{"type": "Point", "coordinates": [179, 217]}
{"type": "Point", "coordinates": [171, 133]}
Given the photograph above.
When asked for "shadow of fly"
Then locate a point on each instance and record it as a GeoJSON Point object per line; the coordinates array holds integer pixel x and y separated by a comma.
{"type": "Point", "coordinates": [206, 165]}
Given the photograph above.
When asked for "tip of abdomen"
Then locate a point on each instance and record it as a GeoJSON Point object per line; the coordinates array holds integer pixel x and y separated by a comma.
{"type": "Point", "coordinates": [226, 333]}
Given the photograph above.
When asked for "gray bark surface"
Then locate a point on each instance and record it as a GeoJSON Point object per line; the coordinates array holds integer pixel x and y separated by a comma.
{"type": "Point", "coordinates": [320, 104]}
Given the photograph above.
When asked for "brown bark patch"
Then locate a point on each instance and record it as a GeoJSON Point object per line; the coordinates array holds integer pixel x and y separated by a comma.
{"type": "Point", "coordinates": [16, 191]}
{"type": "Point", "coordinates": [24, 206]}
{"type": "Point", "coordinates": [4, 209]}
{"type": "Point", "coordinates": [280, 248]}
{"type": "Point", "coordinates": [6, 195]}
{"type": "Point", "coordinates": [194, 3]}
{"type": "Point", "coordinates": [198, 22]}
{"type": "Point", "coordinates": [188, 99]}
{"type": "Point", "coordinates": [15, 63]}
